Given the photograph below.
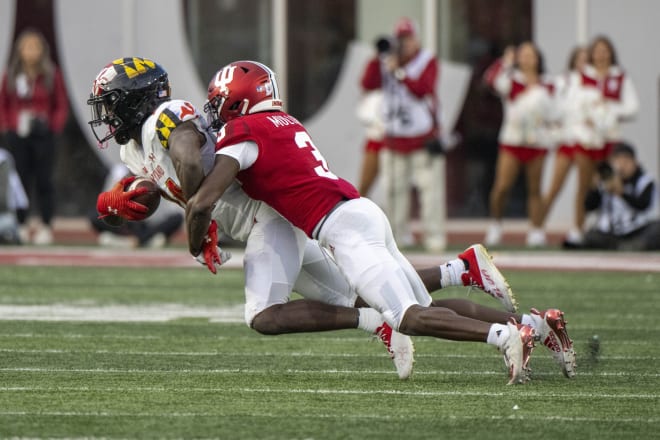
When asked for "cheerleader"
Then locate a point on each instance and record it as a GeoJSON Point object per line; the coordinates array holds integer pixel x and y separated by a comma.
{"type": "Point", "coordinates": [572, 106]}
{"type": "Point", "coordinates": [525, 136]}
{"type": "Point", "coordinates": [598, 98]}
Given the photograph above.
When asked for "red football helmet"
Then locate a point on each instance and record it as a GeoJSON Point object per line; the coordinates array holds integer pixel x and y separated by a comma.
{"type": "Point", "coordinates": [241, 88]}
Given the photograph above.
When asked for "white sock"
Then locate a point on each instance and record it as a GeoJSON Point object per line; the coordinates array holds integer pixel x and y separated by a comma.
{"type": "Point", "coordinates": [528, 320]}
{"type": "Point", "coordinates": [450, 273]}
{"type": "Point", "coordinates": [369, 319]}
{"type": "Point", "coordinates": [497, 334]}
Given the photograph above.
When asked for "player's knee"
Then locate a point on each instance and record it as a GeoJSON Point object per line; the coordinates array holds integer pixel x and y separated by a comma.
{"type": "Point", "coordinates": [411, 323]}
{"type": "Point", "coordinates": [266, 321]}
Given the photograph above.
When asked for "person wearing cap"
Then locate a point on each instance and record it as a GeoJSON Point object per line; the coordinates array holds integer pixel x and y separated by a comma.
{"type": "Point", "coordinates": [625, 197]}
{"type": "Point", "coordinates": [407, 75]}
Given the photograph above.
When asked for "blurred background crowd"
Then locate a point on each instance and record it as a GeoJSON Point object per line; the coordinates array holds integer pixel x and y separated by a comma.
{"type": "Point", "coordinates": [504, 117]}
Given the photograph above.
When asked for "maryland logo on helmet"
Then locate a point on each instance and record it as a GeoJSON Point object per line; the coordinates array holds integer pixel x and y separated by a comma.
{"type": "Point", "coordinates": [123, 95]}
{"type": "Point", "coordinates": [133, 67]}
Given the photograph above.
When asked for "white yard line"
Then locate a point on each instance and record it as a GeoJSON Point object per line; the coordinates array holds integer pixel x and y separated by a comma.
{"type": "Point", "coordinates": [76, 336]}
{"type": "Point", "coordinates": [315, 338]}
{"type": "Point", "coordinates": [229, 371]}
{"type": "Point", "coordinates": [163, 312]}
{"type": "Point", "coordinates": [290, 354]}
{"type": "Point", "coordinates": [496, 394]}
{"type": "Point", "coordinates": [120, 313]}
{"type": "Point", "coordinates": [606, 420]}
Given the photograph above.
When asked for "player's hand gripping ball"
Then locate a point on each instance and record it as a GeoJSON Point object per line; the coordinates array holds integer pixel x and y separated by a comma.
{"type": "Point", "coordinates": [149, 198]}
{"type": "Point", "coordinates": [132, 198]}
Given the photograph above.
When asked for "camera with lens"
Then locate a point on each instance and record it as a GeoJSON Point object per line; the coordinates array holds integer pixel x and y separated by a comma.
{"type": "Point", "coordinates": [605, 171]}
{"type": "Point", "coordinates": [386, 45]}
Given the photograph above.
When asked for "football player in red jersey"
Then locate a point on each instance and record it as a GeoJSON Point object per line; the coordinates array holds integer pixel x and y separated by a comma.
{"type": "Point", "coordinates": [168, 141]}
{"type": "Point", "coordinates": [276, 161]}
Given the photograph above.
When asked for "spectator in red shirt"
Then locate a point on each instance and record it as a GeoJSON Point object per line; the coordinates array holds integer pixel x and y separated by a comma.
{"type": "Point", "coordinates": [407, 75]}
{"type": "Point", "coordinates": [33, 108]}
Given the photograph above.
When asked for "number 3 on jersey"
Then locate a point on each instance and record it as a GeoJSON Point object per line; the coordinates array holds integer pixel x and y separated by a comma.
{"type": "Point", "coordinates": [303, 140]}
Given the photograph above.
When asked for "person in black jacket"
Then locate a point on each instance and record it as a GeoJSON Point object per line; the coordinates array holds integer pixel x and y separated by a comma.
{"type": "Point", "coordinates": [626, 199]}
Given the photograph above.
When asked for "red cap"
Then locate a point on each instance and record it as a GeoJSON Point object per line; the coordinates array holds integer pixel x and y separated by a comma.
{"type": "Point", "coordinates": [405, 27]}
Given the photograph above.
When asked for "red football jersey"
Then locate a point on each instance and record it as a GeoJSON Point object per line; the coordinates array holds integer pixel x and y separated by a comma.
{"type": "Point", "coordinates": [290, 174]}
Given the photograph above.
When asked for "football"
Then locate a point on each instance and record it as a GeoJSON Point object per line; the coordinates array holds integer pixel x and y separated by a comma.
{"type": "Point", "coordinates": [114, 220]}
{"type": "Point", "coordinates": [150, 199]}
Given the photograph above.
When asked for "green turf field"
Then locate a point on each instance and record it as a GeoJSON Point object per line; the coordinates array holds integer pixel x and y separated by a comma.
{"type": "Point", "coordinates": [191, 378]}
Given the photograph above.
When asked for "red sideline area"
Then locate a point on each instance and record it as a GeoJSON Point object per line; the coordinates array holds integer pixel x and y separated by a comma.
{"type": "Point", "coordinates": [178, 257]}
{"type": "Point", "coordinates": [460, 232]}
{"type": "Point", "coordinates": [79, 249]}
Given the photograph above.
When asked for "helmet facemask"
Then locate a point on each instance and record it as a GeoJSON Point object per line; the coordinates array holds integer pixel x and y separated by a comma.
{"type": "Point", "coordinates": [104, 117]}
{"type": "Point", "coordinates": [212, 110]}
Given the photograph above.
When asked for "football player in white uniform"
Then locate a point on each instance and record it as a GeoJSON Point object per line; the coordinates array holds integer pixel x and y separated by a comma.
{"type": "Point", "coordinates": [168, 141]}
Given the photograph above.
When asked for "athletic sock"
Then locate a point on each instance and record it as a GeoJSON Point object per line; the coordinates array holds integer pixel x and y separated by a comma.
{"type": "Point", "coordinates": [450, 273]}
{"type": "Point", "coordinates": [528, 320]}
{"type": "Point", "coordinates": [497, 334]}
{"type": "Point", "coordinates": [369, 319]}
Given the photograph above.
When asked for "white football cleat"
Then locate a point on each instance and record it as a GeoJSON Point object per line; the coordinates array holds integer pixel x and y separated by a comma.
{"type": "Point", "coordinates": [517, 349]}
{"type": "Point", "coordinates": [400, 348]}
{"type": "Point", "coordinates": [483, 274]}
{"type": "Point", "coordinates": [551, 330]}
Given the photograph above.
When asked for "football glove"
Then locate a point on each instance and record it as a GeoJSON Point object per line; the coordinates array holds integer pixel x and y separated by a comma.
{"type": "Point", "coordinates": [212, 256]}
{"type": "Point", "coordinates": [118, 202]}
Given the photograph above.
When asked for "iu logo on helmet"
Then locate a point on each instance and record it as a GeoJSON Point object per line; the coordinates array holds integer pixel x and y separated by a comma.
{"type": "Point", "coordinates": [224, 77]}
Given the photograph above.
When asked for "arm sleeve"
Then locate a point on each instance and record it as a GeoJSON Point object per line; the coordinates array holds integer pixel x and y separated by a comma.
{"type": "Point", "coordinates": [593, 200]}
{"type": "Point", "coordinates": [641, 201]}
{"type": "Point", "coordinates": [425, 84]}
{"type": "Point", "coordinates": [498, 77]}
{"type": "Point", "coordinates": [628, 107]}
{"type": "Point", "coordinates": [371, 78]}
{"type": "Point", "coordinates": [60, 104]}
{"type": "Point", "coordinates": [245, 153]}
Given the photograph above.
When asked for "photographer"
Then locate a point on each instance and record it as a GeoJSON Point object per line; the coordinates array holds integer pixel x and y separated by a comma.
{"type": "Point", "coordinates": [407, 75]}
{"type": "Point", "coordinates": [625, 197]}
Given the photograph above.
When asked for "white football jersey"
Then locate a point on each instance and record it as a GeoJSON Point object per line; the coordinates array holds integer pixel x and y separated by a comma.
{"type": "Point", "coordinates": [234, 212]}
